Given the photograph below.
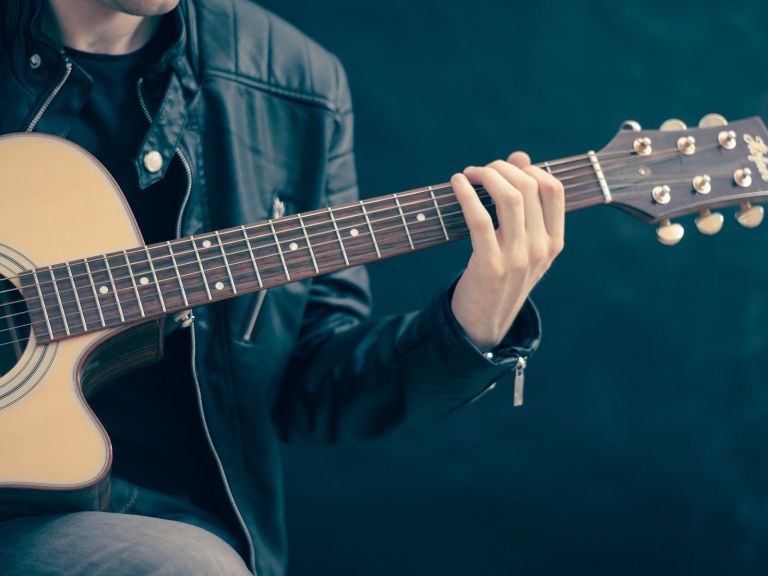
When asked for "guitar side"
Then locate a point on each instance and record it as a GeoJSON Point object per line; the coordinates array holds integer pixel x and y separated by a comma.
{"type": "Point", "coordinates": [59, 204]}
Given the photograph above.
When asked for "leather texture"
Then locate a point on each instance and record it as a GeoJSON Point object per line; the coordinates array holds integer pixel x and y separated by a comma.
{"type": "Point", "coordinates": [259, 111]}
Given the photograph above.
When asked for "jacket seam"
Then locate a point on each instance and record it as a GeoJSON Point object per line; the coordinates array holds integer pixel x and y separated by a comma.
{"type": "Point", "coordinates": [318, 101]}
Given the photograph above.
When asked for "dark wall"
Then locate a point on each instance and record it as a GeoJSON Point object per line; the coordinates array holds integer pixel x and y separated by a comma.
{"type": "Point", "coordinates": [641, 446]}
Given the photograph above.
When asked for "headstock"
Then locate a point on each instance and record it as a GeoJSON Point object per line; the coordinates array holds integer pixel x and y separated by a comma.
{"type": "Point", "coordinates": [657, 175]}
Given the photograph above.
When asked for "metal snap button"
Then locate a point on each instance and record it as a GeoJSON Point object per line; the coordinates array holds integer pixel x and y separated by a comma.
{"type": "Point", "coordinates": [153, 161]}
{"type": "Point", "coordinates": [35, 61]}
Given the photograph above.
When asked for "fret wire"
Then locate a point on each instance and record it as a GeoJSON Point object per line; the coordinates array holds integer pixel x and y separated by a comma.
{"type": "Point", "coordinates": [157, 280]}
{"type": "Point", "coordinates": [405, 224]}
{"type": "Point", "coordinates": [279, 250]}
{"type": "Point", "coordinates": [95, 294]}
{"type": "Point", "coordinates": [309, 245]}
{"type": "Point", "coordinates": [58, 299]}
{"type": "Point", "coordinates": [373, 236]}
{"type": "Point", "coordinates": [178, 277]}
{"type": "Point", "coordinates": [338, 235]}
{"type": "Point", "coordinates": [44, 305]}
{"type": "Point", "coordinates": [114, 288]}
{"type": "Point", "coordinates": [253, 258]}
{"type": "Point", "coordinates": [77, 296]}
{"type": "Point", "coordinates": [202, 271]}
{"type": "Point", "coordinates": [226, 263]}
{"type": "Point", "coordinates": [135, 287]}
{"type": "Point", "coordinates": [439, 213]}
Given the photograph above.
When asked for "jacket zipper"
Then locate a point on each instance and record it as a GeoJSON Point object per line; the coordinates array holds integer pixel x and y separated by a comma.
{"type": "Point", "coordinates": [201, 410]}
{"type": "Point", "coordinates": [254, 315]}
{"type": "Point", "coordinates": [51, 96]}
{"type": "Point", "coordinates": [519, 386]}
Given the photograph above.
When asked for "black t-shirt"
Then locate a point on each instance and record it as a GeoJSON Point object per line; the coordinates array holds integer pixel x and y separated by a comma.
{"type": "Point", "coordinates": [151, 414]}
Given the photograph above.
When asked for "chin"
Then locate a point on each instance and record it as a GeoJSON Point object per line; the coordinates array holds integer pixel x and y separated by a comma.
{"type": "Point", "coordinates": [142, 7]}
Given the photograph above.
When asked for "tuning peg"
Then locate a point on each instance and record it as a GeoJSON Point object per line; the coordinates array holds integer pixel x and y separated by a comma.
{"type": "Point", "coordinates": [711, 120]}
{"type": "Point", "coordinates": [749, 216]}
{"type": "Point", "coordinates": [673, 125]}
{"type": "Point", "coordinates": [669, 234]}
{"type": "Point", "coordinates": [633, 125]}
{"type": "Point", "coordinates": [709, 223]}
{"type": "Point", "coordinates": [743, 177]}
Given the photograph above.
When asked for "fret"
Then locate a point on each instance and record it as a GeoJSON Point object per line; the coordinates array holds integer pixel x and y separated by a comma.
{"type": "Point", "coordinates": [253, 258]}
{"type": "Point", "coordinates": [178, 276]}
{"type": "Point", "coordinates": [439, 214]}
{"type": "Point", "coordinates": [43, 305]}
{"type": "Point", "coordinates": [157, 280]}
{"type": "Point", "coordinates": [226, 263]}
{"type": "Point", "coordinates": [368, 222]}
{"type": "Point", "coordinates": [77, 296]}
{"type": "Point", "coordinates": [547, 168]}
{"type": "Point", "coordinates": [279, 250]}
{"type": "Point", "coordinates": [309, 244]}
{"type": "Point", "coordinates": [58, 299]}
{"type": "Point", "coordinates": [338, 235]}
{"type": "Point", "coordinates": [405, 224]}
{"type": "Point", "coordinates": [95, 293]}
{"type": "Point", "coordinates": [202, 270]}
{"type": "Point", "coordinates": [70, 306]}
{"type": "Point", "coordinates": [135, 287]}
{"type": "Point", "coordinates": [114, 289]}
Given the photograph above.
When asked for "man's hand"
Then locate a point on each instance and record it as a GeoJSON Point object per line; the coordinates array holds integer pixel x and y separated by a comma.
{"type": "Point", "coordinates": [507, 262]}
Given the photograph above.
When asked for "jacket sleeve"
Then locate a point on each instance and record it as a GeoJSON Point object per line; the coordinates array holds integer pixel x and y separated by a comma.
{"type": "Point", "coordinates": [356, 376]}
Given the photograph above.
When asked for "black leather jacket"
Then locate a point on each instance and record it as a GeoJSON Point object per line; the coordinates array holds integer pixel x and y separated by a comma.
{"type": "Point", "coordinates": [253, 110]}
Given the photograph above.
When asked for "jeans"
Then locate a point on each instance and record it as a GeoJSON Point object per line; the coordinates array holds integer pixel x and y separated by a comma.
{"type": "Point", "coordinates": [144, 532]}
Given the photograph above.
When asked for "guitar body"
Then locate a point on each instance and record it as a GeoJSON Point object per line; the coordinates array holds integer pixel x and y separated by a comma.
{"type": "Point", "coordinates": [58, 204]}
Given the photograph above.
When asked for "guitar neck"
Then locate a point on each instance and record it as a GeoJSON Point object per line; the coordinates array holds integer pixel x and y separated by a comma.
{"type": "Point", "coordinates": [149, 282]}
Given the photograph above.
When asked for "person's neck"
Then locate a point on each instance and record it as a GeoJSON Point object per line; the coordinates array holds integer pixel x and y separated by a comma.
{"type": "Point", "coordinates": [89, 26]}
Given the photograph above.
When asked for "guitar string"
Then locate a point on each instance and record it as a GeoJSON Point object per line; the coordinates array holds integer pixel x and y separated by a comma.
{"type": "Point", "coordinates": [271, 244]}
{"type": "Point", "coordinates": [195, 274]}
{"type": "Point", "coordinates": [243, 262]}
{"type": "Point", "coordinates": [436, 188]}
{"type": "Point", "coordinates": [176, 290]}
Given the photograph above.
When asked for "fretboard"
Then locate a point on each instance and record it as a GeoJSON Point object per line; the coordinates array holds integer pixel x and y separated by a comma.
{"type": "Point", "coordinates": [140, 284]}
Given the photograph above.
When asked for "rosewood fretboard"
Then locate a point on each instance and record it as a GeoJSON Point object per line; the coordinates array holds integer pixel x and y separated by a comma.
{"type": "Point", "coordinates": [148, 282]}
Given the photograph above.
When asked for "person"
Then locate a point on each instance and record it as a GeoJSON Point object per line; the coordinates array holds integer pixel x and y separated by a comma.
{"type": "Point", "coordinates": [215, 113]}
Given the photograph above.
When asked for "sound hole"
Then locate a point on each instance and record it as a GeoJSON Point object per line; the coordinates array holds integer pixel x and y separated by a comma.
{"type": "Point", "coordinates": [14, 326]}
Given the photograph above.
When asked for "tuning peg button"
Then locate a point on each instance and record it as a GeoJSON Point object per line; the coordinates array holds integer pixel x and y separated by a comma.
{"type": "Point", "coordinates": [669, 234]}
{"type": "Point", "coordinates": [750, 216]}
{"type": "Point", "coordinates": [661, 194]}
{"type": "Point", "coordinates": [711, 120]}
{"type": "Point", "coordinates": [673, 125]}
{"type": "Point", "coordinates": [709, 223]}
{"type": "Point", "coordinates": [633, 125]}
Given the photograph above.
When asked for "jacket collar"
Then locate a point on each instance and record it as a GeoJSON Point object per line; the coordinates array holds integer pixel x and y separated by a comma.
{"type": "Point", "coordinates": [167, 89]}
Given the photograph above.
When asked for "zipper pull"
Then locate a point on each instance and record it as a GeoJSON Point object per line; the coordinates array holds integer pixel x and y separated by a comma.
{"type": "Point", "coordinates": [519, 380]}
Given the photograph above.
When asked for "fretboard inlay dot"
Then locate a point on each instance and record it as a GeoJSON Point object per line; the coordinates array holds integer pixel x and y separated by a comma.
{"type": "Point", "coordinates": [293, 246]}
{"type": "Point", "coordinates": [143, 280]}
{"type": "Point", "coordinates": [219, 285]}
{"type": "Point", "coordinates": [103, 290]}
{"type": "Point", "coordinates": [354, 232]}
{"type": "Point", "coordinates": [420, 217]}
{"type": "Point", "coordinates": [206, 243]}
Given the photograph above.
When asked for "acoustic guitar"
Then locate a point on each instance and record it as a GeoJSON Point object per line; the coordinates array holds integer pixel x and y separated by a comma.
{"type": "Point", "coordinates": [82, 299]}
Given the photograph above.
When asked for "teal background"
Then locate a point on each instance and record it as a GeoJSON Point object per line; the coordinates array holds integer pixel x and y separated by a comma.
{"type": "Point", "coordinates": [642, 444]}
